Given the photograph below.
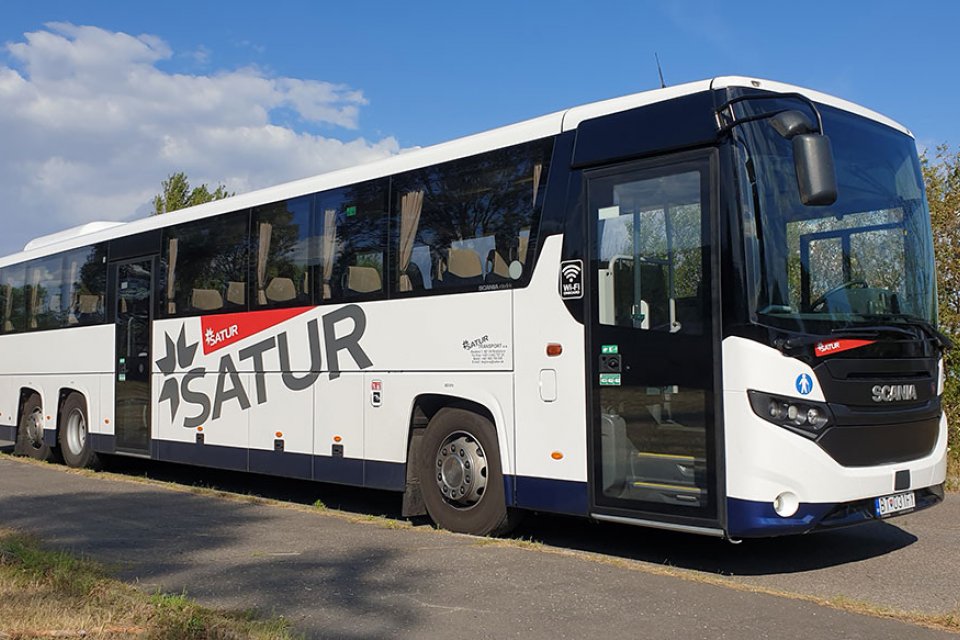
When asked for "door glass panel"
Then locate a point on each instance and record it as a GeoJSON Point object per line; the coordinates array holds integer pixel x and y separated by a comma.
{"type": "Point", "coordinates": [134, 288]}
{"type": "Point", "coordinates": [654, 339]}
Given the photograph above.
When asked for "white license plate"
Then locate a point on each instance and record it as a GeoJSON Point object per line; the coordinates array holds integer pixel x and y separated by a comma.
{"type": "Point", "coordinates": [895, 503]}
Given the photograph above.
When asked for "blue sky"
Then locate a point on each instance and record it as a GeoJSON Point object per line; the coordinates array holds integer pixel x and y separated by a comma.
{"type": "Point", "coordinates": [254, 93]}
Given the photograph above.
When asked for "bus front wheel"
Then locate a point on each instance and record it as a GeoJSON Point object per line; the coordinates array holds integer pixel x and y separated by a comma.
{"type": "Point", "coordinates": [460, 474]}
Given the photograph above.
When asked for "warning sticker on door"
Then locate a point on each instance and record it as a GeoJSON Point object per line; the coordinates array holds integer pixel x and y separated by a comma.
{"type": "Point", "coordinates": [571, 279]}
{"type": "Point", "coordinates": [609, 379]}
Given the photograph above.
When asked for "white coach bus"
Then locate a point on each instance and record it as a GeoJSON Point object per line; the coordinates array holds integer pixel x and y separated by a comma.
{"type": "Point", "coordinates": [708, 308]}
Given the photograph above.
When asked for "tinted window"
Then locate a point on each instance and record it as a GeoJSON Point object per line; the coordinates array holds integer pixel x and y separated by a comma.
{"type": "Point", "coordinates": [465, 223]}
{"type": "Point", "coordinates": [85, 271]}
{"type": "Point", "coordinates": [205, 266]}
{"type": "Point", "coordinates": [66, 289]}
{"type": "Point", "coordinates": [352, 233]}
{"type": "Point", "coordinates": [13, 282]}
{"type": "Point", "coordinates": [45, 292]}
{"type": "Point", "coordinates": [284, 248]}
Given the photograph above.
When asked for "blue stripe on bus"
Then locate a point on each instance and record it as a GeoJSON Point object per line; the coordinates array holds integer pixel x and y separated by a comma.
{"type": "Point", "coordinates": [8, 433]}
{"type": "Point", "coordinates": [102, 443]}
{"type": "Point", "coordinates": [539, 494]}
{"type": "Point", "coordinates": [546, 494]}
{"type": "Point", "coordinates": [747, 518]}
{"type": "Point", "coordinates": [374, 474]}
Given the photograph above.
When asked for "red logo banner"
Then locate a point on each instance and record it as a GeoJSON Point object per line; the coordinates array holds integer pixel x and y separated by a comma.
{"type": "Point", "coordinates": [829, 347]}
{"type": "Point", "coordinates": [223, 330]}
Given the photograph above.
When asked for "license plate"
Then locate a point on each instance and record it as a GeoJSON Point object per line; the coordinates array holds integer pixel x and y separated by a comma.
{"type": "Point", "coordinates": [895, 503]}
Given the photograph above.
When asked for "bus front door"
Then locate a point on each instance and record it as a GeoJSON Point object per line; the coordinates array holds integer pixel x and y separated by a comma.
{"type": "Point", "coordinates": [652, 337]}
{"type": "Point", "coordinates": [133, 282]}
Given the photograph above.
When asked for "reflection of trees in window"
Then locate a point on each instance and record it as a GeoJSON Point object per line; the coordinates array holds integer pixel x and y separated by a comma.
{"type": "Point", "coordinates": [869, 244]}
{"type": "Point", "coordinates": [206, 264]}
{"type": "Point", "coordinates": [56, 291]}
{"type": "Point", "coordinates": [466, 221]}
{"type": "Point", "coordinates": [285, 247]}
{"type": "Point", "coordinates": [353, 230]}
{"type": "Point", "coordinates": [86, 271]}
{"type": "Point", "coordinates": [13, 282]}
{"type": "Point", "coordinates": [44, 304]}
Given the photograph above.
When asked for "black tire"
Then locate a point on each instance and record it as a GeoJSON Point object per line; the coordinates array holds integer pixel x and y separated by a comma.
{"type": "Point", "coordinates": [483, 513]}
{"type": "Point", "coordinates": [74, 436]}
{"type": "Point", "coordinates": [30, 431]}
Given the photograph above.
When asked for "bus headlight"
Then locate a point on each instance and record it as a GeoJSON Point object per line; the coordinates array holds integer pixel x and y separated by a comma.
{"type": "Point", "coordinates": [806, 417]}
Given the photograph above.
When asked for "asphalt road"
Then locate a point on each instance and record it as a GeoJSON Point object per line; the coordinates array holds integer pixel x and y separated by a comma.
{"type": "Point", "coordinates": [338, 578]}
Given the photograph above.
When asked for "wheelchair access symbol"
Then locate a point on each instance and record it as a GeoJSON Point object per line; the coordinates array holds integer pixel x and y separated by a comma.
{"type": "Point", "coordinates": [804, 383]}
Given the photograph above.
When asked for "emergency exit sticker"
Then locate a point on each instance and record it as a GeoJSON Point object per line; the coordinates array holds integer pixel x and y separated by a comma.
{"type": "Point", "coordinates": [609, 379]}
{"type": "Point", "coordinates": [609, 349]}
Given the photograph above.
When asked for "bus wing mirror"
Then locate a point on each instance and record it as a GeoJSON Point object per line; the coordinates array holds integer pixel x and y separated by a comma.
{"type": "Point", "coordinates": [816, 174]}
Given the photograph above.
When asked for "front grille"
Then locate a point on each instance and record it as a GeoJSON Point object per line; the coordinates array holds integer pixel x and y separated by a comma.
{"type": "Point", "coordinates": [866, 446]}
{"type": "Point", "coordinates": [867, 433]}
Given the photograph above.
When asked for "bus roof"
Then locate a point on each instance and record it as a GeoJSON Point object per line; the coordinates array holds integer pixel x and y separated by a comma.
{"type": "Point", "coordinates": [541, 127]}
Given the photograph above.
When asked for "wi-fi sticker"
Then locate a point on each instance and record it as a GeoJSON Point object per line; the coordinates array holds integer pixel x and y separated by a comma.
{"type": "Point", "coordinates": [571, 279]}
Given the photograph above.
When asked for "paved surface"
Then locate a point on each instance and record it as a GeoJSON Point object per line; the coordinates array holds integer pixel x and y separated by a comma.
{"type": "Point", "coordinates": [335, 578]}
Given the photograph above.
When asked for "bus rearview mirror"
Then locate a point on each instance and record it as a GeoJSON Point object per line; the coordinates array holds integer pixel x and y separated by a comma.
{"type": "Point", "coordinates": [816, 175]}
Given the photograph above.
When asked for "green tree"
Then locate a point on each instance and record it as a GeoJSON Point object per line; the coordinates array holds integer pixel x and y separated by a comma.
{"type": "Point", "coordinates": [177, 194]}
{"type": "Point", "coordinates": [941, 174]}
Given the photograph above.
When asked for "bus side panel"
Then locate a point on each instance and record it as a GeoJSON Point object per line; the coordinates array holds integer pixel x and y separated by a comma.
{"type": "Point", "coordinates": [8, 408]}
{"type": "Point", "coordinates": [387, 418]}
{"type": "Point", "coordinates": [48, 361]}
{"type": "Point", "coordinates": [338, 443]}
{"type": "Point", "coordinates": [281, 427]}
{"type": "Point", "coordinates": [551, 412]}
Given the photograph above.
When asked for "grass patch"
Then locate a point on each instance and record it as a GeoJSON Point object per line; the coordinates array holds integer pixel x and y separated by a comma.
{"type": "Point", "coordinates": [49, 593]}
{"type": "Point", "coordinates": [953, 453]}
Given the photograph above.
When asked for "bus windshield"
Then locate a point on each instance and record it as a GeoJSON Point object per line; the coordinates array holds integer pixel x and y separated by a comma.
{"type": "Point", "coordinates": [867, 259]}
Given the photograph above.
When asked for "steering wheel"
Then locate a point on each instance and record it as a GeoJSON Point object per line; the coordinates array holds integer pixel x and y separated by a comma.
{"type": "Point", "coordinates": [849, 284]}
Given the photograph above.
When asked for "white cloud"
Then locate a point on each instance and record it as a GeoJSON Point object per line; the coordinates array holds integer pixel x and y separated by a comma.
{"type": "Point", "coordinates": [91, 125]}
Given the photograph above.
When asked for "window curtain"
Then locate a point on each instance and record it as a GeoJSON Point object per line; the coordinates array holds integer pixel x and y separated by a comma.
{"type": "Point", "coordinates": [8, 307]}
{"type": "Point", "coordinates": [263, 251]}
{"type": "Point", "coordinates": [329, 248]}
{"type": "Point", "coordinates": [172, 275]}
{"type": "Point", "coordinates": [523, 241]}
{"type": "Point", "coordinates": [34, 298]}
{"type": "Point", "coordinates": [411, 205]}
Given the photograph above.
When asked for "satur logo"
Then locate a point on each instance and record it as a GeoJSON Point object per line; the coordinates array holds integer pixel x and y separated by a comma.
{"type": "Point", "coordinates": [272, 353]}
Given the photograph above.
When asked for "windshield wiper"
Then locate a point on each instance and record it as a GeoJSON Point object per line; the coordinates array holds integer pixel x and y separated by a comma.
{"type": "Point", "coordinates": [911, 321]}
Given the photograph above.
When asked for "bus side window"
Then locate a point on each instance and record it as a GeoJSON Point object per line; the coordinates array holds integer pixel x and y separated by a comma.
{"type": "Point", "coordinates": [205, 265]}
{"type": "Point", "coordinates": [13, 282]}
{"type": "Point", "coordinates": [351, 228]}
{"type": "Point", "coordinates": [283, 251]}
{"type": "Point", "coordinates": [466, 223]}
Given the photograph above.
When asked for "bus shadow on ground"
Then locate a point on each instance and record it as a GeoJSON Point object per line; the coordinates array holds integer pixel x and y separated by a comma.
{"type": "Point", "coordinates": [752, 557]}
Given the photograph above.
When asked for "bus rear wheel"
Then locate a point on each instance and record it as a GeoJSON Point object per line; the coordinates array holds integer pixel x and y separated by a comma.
{"type": "Point", "coordinates": [30, 431]}
{"type": "Point", "coordinates": [460, 474]}
{"type": "Point", "coordinates": [74, 438]}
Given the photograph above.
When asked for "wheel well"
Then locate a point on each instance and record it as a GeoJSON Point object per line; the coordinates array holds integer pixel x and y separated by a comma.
{"type": "Point", "coordinates": [424, 408]}
{"type": "Point", "coordinates": [25, 392]}
{"type": "Point", "coordinates": [62, 397]}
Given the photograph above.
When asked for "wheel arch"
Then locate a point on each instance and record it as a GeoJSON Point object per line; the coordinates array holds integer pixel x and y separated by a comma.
{"type": "Point", "coordinates": [26, 392]}
{"type": "Point", "coordinates": [423, 408]}
{"type": "Point", "coordinates": [65, 392]}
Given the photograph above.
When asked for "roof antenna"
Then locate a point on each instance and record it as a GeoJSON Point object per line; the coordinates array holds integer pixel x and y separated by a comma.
{"type": "Point", "coordinates": [663, 85]}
